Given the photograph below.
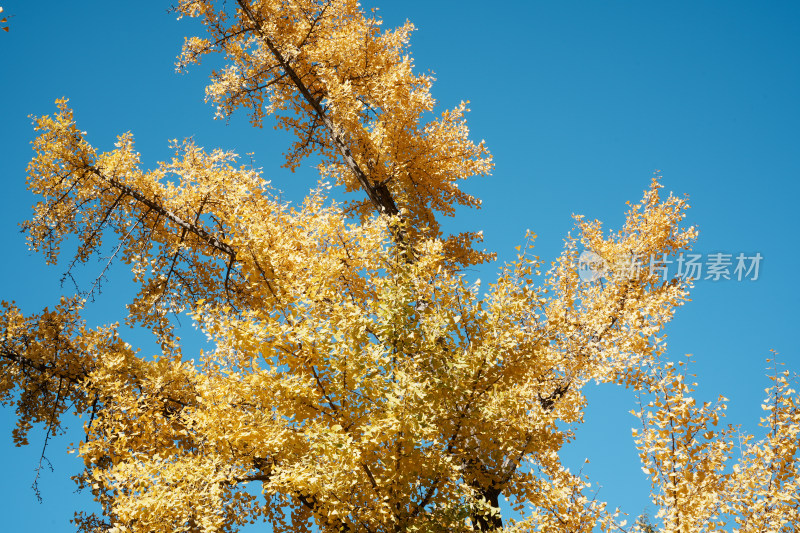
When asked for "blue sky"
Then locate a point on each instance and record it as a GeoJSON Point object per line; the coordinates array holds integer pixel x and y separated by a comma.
{"type": "Point", "coordinates": [579, 102]}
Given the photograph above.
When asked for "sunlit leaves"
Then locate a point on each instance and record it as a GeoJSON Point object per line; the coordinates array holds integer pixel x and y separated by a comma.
{"type": "Point", "coordinates": [359, 379]}
{"type": "Point", "coordinates": [708, 477]}
{"type": "Point", "coordinates": [329, 74]}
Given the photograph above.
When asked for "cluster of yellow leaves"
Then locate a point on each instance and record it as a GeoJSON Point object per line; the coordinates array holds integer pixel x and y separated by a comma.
{"type": "Point", "coordinates": [3, 21]}
{"type": "Point", "coordinates": [687, 458]}
{"type": "Point", "coordinates": [357, 376]}
{"type": "Point", "coordinates": [366, 388]}
{"type": "Point", "coordinates": [348, 93]}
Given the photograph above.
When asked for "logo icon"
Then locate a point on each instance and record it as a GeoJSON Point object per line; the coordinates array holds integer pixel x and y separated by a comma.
{"type": "Point", "coordinates": [591, 266]}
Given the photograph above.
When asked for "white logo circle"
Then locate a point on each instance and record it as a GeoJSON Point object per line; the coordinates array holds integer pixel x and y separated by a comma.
{"type": "Point", "coordinates": [591, 266]}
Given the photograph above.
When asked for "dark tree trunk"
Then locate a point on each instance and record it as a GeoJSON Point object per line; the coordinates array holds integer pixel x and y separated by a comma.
{"type": "Point", "coordinates": [489, 522]}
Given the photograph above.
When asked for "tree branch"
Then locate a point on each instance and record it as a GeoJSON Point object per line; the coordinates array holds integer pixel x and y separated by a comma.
{"type": "Point", "coordinates": [378, 194]}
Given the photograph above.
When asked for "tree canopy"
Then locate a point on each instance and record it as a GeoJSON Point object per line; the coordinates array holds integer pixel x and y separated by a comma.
{"type": "Point", "coordinates": [359, 380]}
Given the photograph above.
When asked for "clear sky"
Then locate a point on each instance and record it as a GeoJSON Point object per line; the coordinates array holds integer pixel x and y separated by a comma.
{"type": "Point", "coordinates": [579, 102]}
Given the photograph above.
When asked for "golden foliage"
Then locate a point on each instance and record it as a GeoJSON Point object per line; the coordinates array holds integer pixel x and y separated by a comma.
{"type": "Point", "coordinates": [687, 455]}
{"type": "Point", "coordinates": [357, 377]}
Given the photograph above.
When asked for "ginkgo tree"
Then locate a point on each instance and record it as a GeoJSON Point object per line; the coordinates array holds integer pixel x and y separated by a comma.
{"type": "Point", "coordinates": [358, 381]}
